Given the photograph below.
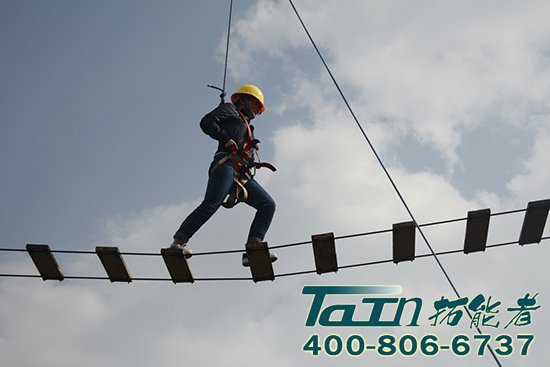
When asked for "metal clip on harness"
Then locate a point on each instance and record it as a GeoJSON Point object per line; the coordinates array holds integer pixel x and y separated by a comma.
{"type": "Point", "coordinates": [242, 163]}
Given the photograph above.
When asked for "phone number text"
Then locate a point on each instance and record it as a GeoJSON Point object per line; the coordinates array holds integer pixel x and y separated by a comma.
{"type": "Point", "coordinates": [408, 345]}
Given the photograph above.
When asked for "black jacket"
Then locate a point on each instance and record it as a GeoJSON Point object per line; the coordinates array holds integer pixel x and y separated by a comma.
{"type": "Point", "coordinates": [225, 123]}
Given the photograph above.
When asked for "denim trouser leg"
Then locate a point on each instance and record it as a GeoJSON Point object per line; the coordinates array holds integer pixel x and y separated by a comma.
{"type": "Point", "coordinates": [219, 184]}
{"type": "Point", "coordinates": [260, 200]}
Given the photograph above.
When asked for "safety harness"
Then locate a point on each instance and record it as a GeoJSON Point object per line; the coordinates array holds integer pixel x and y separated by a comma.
{"type": "Point", "coordinates": [244, 167]}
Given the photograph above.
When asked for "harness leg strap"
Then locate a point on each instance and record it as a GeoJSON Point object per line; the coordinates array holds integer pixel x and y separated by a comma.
{"type": "Point", "coordinates": [237, 194]}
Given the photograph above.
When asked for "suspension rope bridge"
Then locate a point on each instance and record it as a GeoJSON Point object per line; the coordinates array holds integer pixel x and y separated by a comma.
{"type": "Point", "coordinates": [323, 245]}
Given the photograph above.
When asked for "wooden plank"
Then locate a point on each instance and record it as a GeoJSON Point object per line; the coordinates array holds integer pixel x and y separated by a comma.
{"type": "Point", "coordinates": [177, 265]}
{"type": "Point", "coordinates": [403, 241]}
{"type": "Point", "coordinates": [260, 261]}
{"type": "Point", "coordinates": [477, 229]}
{"type": "Point", "coordinates": [324, 251]}
{"type": "Point", "coordinates": [534, 222]}
{"type": "Point", "coordinates": [114, 264]}
{"type": "Point", "coordinates": [45, 262]}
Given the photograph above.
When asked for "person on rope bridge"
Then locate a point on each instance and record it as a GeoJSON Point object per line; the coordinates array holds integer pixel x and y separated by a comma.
{"type": "Point", "coordinates": [231, 172]}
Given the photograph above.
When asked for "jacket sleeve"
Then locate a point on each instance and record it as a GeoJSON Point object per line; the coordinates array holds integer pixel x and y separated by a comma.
{"type": "Point", "coordinates": [210, 123]}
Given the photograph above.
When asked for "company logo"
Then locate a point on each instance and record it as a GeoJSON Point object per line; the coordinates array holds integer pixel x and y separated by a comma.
{"type": "Point", "coordinates": [327, 315]}
{"type": "Point", "coordinates": [380, 306]}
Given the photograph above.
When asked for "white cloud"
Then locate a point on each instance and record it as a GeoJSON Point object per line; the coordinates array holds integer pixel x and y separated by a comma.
{"type": "Point", "coordinates": [533, 182]}
{"type": "Point", "coordinates": [57, 320]}
{"type": "Point", "coordinates": [433, 69]}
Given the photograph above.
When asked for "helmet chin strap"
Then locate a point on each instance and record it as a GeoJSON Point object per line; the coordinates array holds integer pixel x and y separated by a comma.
{"type": "Point", "coordinates": [247, 114]}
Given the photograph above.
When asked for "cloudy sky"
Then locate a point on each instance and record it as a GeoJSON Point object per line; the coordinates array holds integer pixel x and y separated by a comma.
{"type": "Point", "coordinates": [100, 145]}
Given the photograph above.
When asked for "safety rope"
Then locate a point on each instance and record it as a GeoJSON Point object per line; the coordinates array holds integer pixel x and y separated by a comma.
{"type": "Point", "coordinates": [222, 89]}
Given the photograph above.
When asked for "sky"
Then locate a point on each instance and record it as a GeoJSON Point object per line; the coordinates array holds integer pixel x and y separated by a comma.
{"type": "Point", "coordinates": [100, 146]}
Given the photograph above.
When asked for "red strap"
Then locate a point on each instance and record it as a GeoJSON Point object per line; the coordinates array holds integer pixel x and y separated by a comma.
{"type": "Point", "coordinates": [250, 136]}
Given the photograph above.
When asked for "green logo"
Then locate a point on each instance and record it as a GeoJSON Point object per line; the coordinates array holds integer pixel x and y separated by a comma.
{"type": "Point", "coordinates": [343, 314]}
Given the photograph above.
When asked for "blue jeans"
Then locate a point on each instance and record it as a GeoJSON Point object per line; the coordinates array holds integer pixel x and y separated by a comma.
{"type": "Point", "coordinates": [219, 184]}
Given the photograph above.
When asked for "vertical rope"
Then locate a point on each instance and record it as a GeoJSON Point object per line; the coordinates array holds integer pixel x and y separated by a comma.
{"type": "Point", "coordinates": [227, 47]}
{"type": "Point", "coordinates": [222, 89]}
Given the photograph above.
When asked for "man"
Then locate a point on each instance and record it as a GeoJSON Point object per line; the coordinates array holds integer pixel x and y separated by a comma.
{"type": "Point", "coordinates": [229, 124]}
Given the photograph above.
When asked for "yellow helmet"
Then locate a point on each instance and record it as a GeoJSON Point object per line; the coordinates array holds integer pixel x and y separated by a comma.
{"type": "Point", "coordinates": [250, 90]}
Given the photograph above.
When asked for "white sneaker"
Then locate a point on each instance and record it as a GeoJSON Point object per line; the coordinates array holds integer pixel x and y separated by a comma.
{"type": "Point", "coordinates": [246, 262]}
{"type": "Point", "coordinates": [183, 247]}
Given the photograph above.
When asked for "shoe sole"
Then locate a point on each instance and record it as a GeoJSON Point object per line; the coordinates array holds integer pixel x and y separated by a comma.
{"type": "Point", "coordinates": [187, 253]}
{"type": "Point", "coordinates": [247, 264]}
